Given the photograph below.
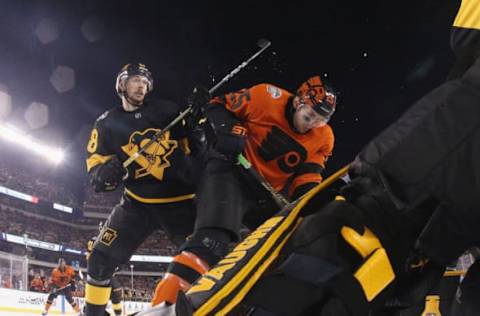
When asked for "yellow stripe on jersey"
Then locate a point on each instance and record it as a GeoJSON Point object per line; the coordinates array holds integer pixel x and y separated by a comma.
{"type": "Point", "coordinates": [96, 159]}
{"type": "Point", "coordinates": [160, 200]}
{"type": "Point", "coordinates": [468, 15]}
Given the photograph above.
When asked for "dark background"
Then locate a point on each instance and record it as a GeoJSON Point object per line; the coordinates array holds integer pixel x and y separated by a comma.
{"type": "Point", "coordinates": [380, 56]}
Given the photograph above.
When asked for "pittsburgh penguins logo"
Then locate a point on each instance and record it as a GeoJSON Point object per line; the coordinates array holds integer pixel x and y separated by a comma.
{"type": "Point", "coordinates": [108, 236]}
{"type": "Point", "coordinates": [154, 160]}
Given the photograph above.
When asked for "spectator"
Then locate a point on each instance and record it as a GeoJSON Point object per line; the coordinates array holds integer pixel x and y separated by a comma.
{"type": "Point", "coordinates": [6, 283]}
{"type": "Point", "coordinates": [17, 223]}
{"type": "Point", "coordinates": [37, 284]}
{"type": "Point", "coordinates": [21, 180]}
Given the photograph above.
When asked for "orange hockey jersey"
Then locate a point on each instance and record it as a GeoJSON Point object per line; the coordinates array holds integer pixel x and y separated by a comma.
{"type": "Point", "coordinates": [62, 278]}
{"type": "Point", "coordinates": [275, 150]}
{"type": "Point", "coordinates": [37, 285]}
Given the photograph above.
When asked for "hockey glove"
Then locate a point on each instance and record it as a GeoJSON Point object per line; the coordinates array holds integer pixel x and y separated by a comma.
{"type": "Point", "coordinates": [199, 97]}
{"type": "Point", "coordinates": [72, 285]}
{"type": "Point", "coordinates": [108, 176]}
{"type": "Point", "coordinates": [230, 141]}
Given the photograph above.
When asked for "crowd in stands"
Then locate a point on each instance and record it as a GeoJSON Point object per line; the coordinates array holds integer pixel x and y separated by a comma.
{"type": "Point", "coordinates": [17, 223]}
{"type": "Point", "coordinates": [23, 181]}
{"type": "Point", "coordinates": [43, 229]}
{"type": "Point", "coordinates": [101, 202]}
{"type": "Point", "coordinates": [38, 280]}
{"type": "Point", "coordinates": [12, 274]}
{"type": "Point", "coordinates": [39, 221]}
{"type": "Point", "coordinates": [157, 244]}
{"type": "Point", "coordinates": [42, 208]}
{"type": "Point", "coordinates": [143, 287]}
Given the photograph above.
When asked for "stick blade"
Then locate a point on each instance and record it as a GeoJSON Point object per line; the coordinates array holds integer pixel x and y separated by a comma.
{"type": "Point", "coordinates": [263, 42]}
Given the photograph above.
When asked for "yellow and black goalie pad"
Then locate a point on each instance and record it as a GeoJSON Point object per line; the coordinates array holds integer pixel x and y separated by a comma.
{"type": "Point", "coordinates": [221, 289]}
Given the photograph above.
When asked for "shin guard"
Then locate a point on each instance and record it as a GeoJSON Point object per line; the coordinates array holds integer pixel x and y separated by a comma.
{"type": "Point", "coordinates": [182, 272]}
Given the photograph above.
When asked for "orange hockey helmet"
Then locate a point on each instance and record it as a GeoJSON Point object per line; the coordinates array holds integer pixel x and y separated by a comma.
{"type": "Point", "coordinates": [318, 95]}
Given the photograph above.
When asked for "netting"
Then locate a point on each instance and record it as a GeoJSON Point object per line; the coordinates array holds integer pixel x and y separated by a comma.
{"type": "Point", "coordinates": [13, 271]}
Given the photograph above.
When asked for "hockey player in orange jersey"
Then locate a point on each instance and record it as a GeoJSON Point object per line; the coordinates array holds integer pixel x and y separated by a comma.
{"type": "Point", "coordinates": [63, 283]}
{"type": "Point", "coordinates": [287, 139]}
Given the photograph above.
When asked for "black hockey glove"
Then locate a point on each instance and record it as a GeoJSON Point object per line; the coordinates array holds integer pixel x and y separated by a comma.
{"type": "Point", "coordinates": [230, 141]}
{"type": "Point", "coordinates": [199, 97]}
{"type": "Point", "coordinates": [72, 285]}
{"type": "Point", "coordinates": [107, 177]}
{"type": "Point", "coordinates": [228, 135]}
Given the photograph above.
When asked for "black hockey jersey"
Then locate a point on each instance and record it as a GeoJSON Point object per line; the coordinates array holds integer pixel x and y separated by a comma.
{"type": "Point", "coordinates": [162, 174]}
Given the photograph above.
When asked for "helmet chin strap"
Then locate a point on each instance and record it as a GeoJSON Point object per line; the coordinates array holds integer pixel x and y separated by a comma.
{"type": "Point", "coordinates": [289, 114]}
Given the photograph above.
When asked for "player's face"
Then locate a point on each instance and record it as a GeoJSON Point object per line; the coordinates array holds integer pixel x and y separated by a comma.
{"type": "Point", "coordinates": [137, 87]}
{"type": "Point", "coordinates": [306, 118]}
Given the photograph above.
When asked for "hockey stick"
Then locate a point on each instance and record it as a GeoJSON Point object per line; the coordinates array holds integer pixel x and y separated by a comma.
{"type": "Point", "coordinates": [277, 197]}
{"type": "Point", "coordinates": [63, 288]}
{"type": "Point", "coordinates": [223, 287]}
{"type": "Point", "coordinates": [263, 44]}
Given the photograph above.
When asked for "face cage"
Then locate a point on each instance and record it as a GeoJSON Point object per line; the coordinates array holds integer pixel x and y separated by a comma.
{"type": "Point", "coordinates": [322, 108]}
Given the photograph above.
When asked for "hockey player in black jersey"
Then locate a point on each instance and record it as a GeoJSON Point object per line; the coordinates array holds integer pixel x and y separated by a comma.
{"type": "Point", "coordinates": [158, 185]}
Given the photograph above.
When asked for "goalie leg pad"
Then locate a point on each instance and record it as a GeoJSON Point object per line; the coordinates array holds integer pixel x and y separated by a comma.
{"type": "Point", "coordinates": [325, 259]}
{"type": "Point", "coordinates": [376, 273]}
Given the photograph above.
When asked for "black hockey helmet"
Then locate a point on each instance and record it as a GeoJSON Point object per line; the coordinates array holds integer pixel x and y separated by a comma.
{"type": "Point", "coordinates": [133, 69]}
